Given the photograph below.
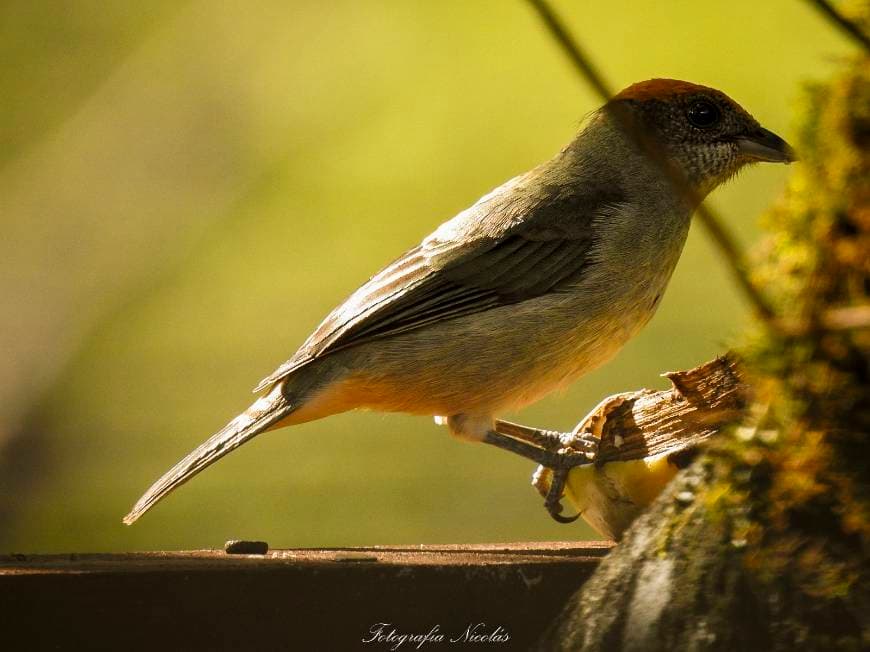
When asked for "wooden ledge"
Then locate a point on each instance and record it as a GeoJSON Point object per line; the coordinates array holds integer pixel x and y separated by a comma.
{"type": "Point", "coordinates": [481, 555]}
{"type": "Point", "coordinates": [301, 599]}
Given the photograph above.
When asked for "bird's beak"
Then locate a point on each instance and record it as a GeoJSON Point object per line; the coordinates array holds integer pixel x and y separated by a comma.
{"type": "Point", "coordinates": [764, 145]}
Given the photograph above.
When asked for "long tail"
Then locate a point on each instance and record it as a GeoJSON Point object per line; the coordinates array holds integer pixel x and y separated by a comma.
{"type": "Point", "coordinates": [264, 413]}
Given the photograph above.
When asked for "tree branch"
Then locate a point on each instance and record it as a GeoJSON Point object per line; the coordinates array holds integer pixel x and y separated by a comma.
{"type": "Point", "coordinates": [847, 26]}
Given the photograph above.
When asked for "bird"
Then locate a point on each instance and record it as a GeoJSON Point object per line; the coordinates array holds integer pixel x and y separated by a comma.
{"type": "Point", "coordinates": [537, 283]}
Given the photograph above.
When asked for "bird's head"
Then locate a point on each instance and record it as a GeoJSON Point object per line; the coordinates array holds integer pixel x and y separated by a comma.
{"type": "Point", "coordinates": [702, 132]}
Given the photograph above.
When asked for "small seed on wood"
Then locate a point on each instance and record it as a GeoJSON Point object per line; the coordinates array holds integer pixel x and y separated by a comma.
{"type": "Point", "coordinates": [238, 547]}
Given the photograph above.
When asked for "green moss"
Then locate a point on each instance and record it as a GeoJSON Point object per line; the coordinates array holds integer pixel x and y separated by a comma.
{"type": "Point", "coordinates": [792, 482]}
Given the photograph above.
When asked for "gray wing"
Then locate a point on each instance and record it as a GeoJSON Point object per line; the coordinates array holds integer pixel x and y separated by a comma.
{"type": "Point", "coordinates": [488, 256]}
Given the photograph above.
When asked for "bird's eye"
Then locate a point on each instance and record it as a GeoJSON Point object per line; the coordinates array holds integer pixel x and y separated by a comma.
{"type": "Point", "coordinates": [703, 114]}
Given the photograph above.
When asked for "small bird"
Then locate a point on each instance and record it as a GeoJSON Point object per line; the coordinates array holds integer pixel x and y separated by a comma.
{"type": "Point", "coordinates": [540, 281]}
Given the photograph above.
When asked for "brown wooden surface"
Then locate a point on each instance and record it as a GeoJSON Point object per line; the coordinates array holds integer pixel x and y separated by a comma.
{"type": "Point", "coordinates": [299, 599]}
{"type": "Point", "coordinates": [699, 404]}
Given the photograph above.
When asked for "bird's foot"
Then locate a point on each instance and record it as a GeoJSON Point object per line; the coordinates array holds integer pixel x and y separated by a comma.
{"type": "Point", "coordinates": [556, 453]}
{"type": "Point", "coordinates": [586, 436]}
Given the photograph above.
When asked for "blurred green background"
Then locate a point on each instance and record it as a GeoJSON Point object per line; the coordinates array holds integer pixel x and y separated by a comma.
{"type": "Point", "coordinates": [186, 189]}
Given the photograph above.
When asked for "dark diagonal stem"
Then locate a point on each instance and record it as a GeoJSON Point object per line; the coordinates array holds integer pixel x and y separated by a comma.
{"type": "Point", "coordinates": [846, 25]}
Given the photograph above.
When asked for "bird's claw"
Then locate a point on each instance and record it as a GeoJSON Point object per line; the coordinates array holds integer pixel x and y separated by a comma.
{"type": "Point", "coordinates": [553, 500]}
{"type": "Point", "coordinates": [550, 480]}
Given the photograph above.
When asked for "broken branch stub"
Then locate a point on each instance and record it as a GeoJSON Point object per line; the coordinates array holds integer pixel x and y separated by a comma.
{"type": "Point", "coordinates": [701, 402]}
{"type": "Point", "coordinates": [645, 437]}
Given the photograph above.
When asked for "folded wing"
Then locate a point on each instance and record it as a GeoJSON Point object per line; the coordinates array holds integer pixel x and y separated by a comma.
{"type": "Point", "coordinates": [488, 256]}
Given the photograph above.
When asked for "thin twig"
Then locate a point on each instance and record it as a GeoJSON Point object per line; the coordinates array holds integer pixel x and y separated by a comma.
{"type": "Point", "coordinates": [572, 48]}
{"type": "Point", "coordinates": [709, 218]}
{"type": "Point", "coordinates": [828, 10]}
{"type": "Point", "coordinates": [736, 264]}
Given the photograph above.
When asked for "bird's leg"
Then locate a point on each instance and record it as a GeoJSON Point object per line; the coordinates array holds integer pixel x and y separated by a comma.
{"type": "Point", "coordinates": [563, 458]}
{"type": "Point", "coordinates": [551, 440]}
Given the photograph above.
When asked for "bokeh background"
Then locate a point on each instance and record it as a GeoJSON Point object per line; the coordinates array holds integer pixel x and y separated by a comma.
{"type": "Point", "coordinates": [186, 189]}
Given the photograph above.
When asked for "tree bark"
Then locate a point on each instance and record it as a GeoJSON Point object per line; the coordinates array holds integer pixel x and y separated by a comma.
{"type": "Point", "coordinates": [671, 584]}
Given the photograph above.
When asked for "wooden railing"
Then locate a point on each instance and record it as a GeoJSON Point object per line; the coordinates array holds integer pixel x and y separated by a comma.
{"type": "Point", "coordinates": [298, 599]}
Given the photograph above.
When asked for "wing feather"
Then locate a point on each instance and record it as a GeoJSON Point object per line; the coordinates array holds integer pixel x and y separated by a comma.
{"type": "Point", "coordinates": [478, 261]}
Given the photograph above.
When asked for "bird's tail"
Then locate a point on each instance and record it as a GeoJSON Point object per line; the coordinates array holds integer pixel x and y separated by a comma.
{"type": "Point", "coordinates": [265, 413]}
